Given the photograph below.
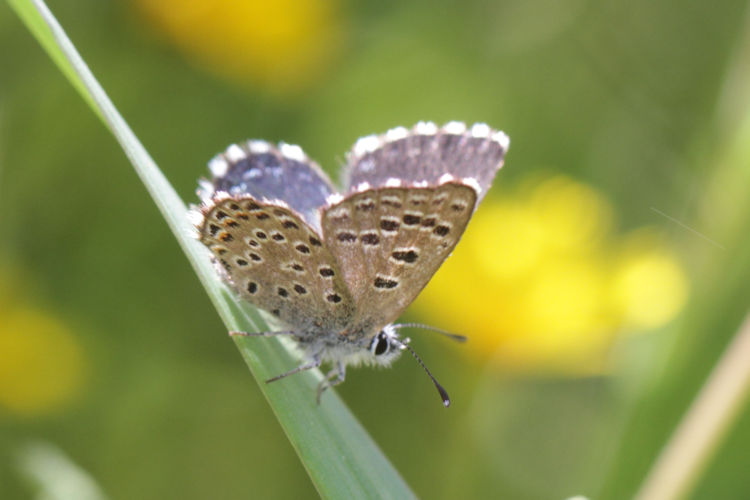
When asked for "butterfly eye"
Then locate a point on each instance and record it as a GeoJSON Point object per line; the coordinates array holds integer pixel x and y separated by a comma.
{"type": "Point", "coordinates": [380, 344]}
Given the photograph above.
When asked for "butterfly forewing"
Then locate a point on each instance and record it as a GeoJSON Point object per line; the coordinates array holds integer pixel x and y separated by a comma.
{"type": "Point", "coordinates": [389, 242]}
{"type": "Point", "coordinates": [276, 261]}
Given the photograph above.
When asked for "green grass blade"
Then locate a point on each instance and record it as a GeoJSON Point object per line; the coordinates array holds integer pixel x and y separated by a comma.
{"type": "Point", "coordinates": [340, 457]}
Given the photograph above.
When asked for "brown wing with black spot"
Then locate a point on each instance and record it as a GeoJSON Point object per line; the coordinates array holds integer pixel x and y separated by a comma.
{"type": "Point", "coordinates": [389, 242]}
{"type": "Point", "coordinates": [276, 261]}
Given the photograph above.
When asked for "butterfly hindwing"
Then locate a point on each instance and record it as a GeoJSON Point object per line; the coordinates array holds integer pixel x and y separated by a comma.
{"type": "Point", "coordinates": [427, 154]}
{"type": "Point", "coordinates": [266, 172]}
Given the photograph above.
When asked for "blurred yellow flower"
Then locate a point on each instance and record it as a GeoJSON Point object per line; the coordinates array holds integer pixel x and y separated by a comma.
{"type": "Point", "coordinates": [540, 283]}
{"type": "Point", "coordinates": [279, 45]}
{"type": "Point", "coordinates": [649, 287]}
{"type": "Point", "coordinates": [41, 361]}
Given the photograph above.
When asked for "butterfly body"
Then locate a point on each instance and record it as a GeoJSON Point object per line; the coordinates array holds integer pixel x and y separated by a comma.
{"type": "Point", "coordinates": [339, 267]}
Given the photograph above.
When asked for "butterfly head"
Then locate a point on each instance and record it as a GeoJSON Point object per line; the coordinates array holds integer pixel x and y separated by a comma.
{"type": "Point", "coordinates": [386, 346]}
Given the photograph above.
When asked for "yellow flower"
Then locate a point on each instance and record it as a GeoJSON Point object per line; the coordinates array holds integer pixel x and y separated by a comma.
{"type": "Point", "coordinates": [539, 283]}
{"type": "Point", "coordinates": [41, 362]}
{"type": "Point", "coordinates": [649, 287]}
{"type": "Point", "coordinates": [280, 45]}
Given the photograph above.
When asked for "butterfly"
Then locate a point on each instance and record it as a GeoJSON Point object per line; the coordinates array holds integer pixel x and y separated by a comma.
{"type": "Point", "coordinates": [338, 267]}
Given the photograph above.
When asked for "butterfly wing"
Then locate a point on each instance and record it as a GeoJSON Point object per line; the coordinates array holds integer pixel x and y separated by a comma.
{"type": "Point", "coordinates": [389, 242]}
{"type": "Point", "coordinates": [426, 154]}
{"type": "Point", "coordinates": [274, 260]}
{"type": "Point", "coordinates": [266, 172]}
{"type": "Point", "coordinates": [410, 196]}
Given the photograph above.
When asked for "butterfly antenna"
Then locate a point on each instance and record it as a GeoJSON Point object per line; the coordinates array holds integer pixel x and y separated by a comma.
{"type": "Point", "coordinates": [457, 338]}
{"type": "Point", "coordinates": [443, 392]}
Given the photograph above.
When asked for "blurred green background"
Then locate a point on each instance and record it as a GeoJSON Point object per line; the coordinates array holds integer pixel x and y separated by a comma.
{"type": "Point", "coordinates": [599, 282]}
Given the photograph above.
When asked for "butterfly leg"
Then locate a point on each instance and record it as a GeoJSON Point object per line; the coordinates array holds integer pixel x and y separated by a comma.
{"type": "Point", "coordinates": [258, 334]}
{"type": "Point", "coordinates": [333, 378]}
{"type": "Point", "coordinates": [307, 366]}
